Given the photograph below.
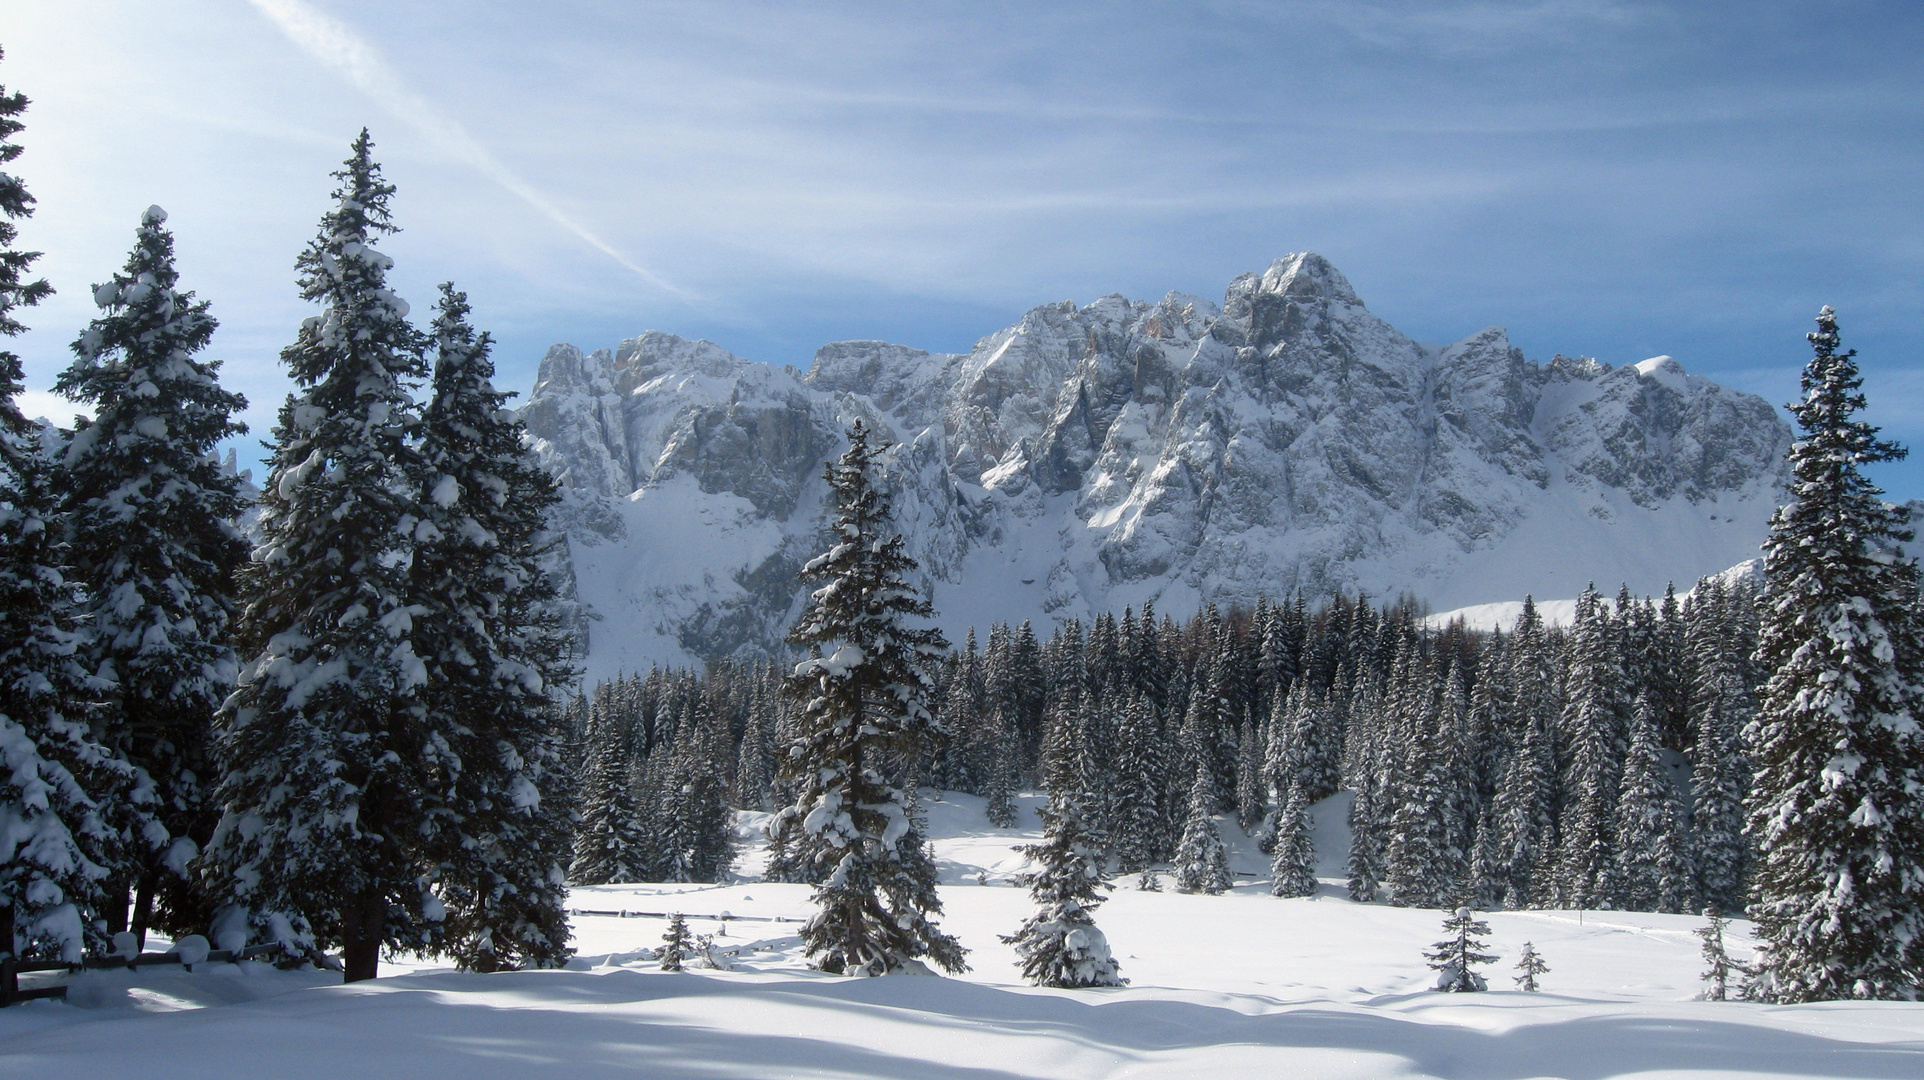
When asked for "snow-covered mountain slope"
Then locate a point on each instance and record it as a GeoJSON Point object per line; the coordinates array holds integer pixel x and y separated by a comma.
{"type": "Point", "coordinates": [1097, 456]}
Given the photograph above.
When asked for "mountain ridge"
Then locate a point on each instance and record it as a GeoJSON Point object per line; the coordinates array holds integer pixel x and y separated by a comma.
{"type": "Point", "coordinates": [1180, 451]}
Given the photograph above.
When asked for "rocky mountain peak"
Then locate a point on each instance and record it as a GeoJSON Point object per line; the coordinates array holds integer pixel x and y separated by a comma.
{"type": "Point", "coordinates": [1093, 456]}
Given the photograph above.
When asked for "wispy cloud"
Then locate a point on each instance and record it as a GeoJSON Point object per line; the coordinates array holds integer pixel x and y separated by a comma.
{"type": "Point", "coordinates": [338, 47]}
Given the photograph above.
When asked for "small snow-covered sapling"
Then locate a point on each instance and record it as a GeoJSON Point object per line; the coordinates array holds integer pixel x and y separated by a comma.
{"type": "Point", "coordinates": [1717, 975]}
{"type": "Point", "coordinates": [675, 944]}
{"type": "Point", "coordinates": [1528, 968]}
{"type": "Point", "coordinates": [1455, 957]}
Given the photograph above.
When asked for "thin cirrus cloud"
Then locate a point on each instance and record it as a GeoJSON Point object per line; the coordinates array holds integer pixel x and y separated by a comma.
{"type": "Point", "coordinates": [346, 53]}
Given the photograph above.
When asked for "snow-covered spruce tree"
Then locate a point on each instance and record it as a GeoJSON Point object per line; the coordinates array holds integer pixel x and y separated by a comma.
{"type": "Point", "coordinates": [1836, 807]}
{"type": "Point", "coordinates": [1653, 863]}
{"type": "Point", "coordinates": [1456, 957]}
{"type": "Point", "coordinates": [609, 843]}
{"type": "Point", "coordinates": [1528, 967]}
{"type": "Point", "coordinates": [1593, 718]}
{"type": "Point", "coordinates": [754, 759]}
{"type": "Point", "coordinates": [1292, 863]}
{"type": "Point", "coordinates": [498, 664]}
{"type": "Point", "coordinates": [692, 816]}
{"type": "Point", "coordinates": [1060, 945]}
{"type": "Point", "coordinates": [1364, 864]}
{"type": "Point", "coordinates": [1139, 765]}
{"type": "Point", "coordinates": [1250, 804]}
{"type": "Point", "coordinates": [1004, 776]}
{"type": "Point", "coordinates": [1202, 863]}
{"type": "Point", "coordinates": [1720, 967]}
{"type": "Point", "coordinates": [326, 793]}
{"type": "Point", "coordinates": [152, 516]}
{"type": "Point", "coordinates": [1483, 883]}
{"type": "Point", "coordinates": [865, 695]}
{"type": "Point", "coordinates": [676, 945]}
{"type": "Point", "coordinates": [1720, 708]}
{"type": "Point", "coordinates": [1422, 868]}
{"type": "Point", "coordinates": [1525, 826]}
{"type": "Point", "coordinates": [57, 845]}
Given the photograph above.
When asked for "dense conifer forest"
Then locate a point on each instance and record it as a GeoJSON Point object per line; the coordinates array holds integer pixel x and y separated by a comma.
{"type": "Point", "coordinates": [1595, 765]}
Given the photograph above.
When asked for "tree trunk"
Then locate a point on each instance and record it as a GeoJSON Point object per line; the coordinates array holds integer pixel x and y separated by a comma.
{"type": "Point", "coordinates": [144, 904]}
{"type": "Point", "coordinates": [361, 926]}
{"type": "Point", "coordinates": [116, 906]}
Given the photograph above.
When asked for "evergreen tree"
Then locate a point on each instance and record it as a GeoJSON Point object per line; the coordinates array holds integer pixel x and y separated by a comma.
{"type": "Point", "coordinates": [1593, 718]}
{"type": "Point", "coordinates": [1364, 866]}
{"type": "Point", "coordinates": [1202, 864]}
{"type": "Point", "coordinates": [1525, 836]}
{"type": "Point", "coordinates": [1293, 861]}
{"type": "Point", "coordinates": [611, 841]}
{"type": "Point", "coordinates": [1720, 709]}
{"type": "Point", "coordinates": [1669, 681]}
{"type": "Point", "coordinates": [1835, 809]}
{"type": "Point", "coordinates": [60, 842]}
{"type": "Point", "coordinates": [154, 548]}
{"type": "Point", "coordinates": [676, 945]}
{"type": "Point", "coordinates": [691, 817]}
{"type": "Point", "coordinates": [498, 664]}
{"type": "Point", "coordinates": [1456, 957]}
{"type": "Point", "coordinates": [1653, 864]}
{"type": "Point", "coordinates": [1250, 804]}
{"type": "Point", "coordinates": [866, 691]}
{"type": "Point", "coordinates": [1528, 967]}
{"type": "Point", "coordinates": [324, 792]}
{"type": "Point", "coordinates": [1060, 945]}
{"type": "Point", "coordinates": [754, 760]}
{"type": "Point", "coordinates": [1485, 884]}
{"type": "Point", "coordinates": [1003, 777]}
{"type": "Point", "coordinates": [1139, 767]}
{"type": "Point", "coordinates": [1721, 967]}
{"type": "Point", "coordinates": [1421, 866]}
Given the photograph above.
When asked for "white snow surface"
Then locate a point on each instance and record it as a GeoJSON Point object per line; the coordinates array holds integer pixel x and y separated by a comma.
{"type": "Point", "coordinates": [1096, 456]}
{"type": "Point", "coordinates": [1503, 614]}
{"type": "Point", "coordinates": [1242, 984]}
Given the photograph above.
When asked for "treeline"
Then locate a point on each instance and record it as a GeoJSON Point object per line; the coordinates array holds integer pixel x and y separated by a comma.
{"type": "Point", "coordinates": [1597, 765]}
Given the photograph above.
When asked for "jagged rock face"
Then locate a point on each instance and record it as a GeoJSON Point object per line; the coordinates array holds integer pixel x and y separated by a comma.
{"type": "Point", "coordinates": [1091, 457]}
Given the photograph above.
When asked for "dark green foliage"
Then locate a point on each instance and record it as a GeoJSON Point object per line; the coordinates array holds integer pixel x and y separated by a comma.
{"type": "Point", "coordinates": [1528, 967]}
{"type": "Point", "coordinates": [60, 785]}
{"type": "Point", "coordinates": [498, 659]}
{"type": "Point", "coordinates": [154, 545]}
{"type": "Point", "coordinates": [676, 945]}
{"type": "Point", "coordinates": [864, 695]}
{"type": "Point", "coordinates": [1202, 864]}
{"type": "Point", "coordinates": [326, 781]}
{"type": "Point", "coordinates": [1456, 958]}
{"type": "Point", "coordinates": [1720, 968]}
{"type": "Point", "coordinates": [1837, 805]}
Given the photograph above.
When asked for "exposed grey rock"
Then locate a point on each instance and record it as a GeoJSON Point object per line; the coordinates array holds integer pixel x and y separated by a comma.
{"type": "Point", "coordinates": [1093, 456]}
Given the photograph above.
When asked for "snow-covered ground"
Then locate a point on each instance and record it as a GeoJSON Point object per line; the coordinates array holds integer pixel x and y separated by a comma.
{"type": "Point", "coordinates": [1242, 984]}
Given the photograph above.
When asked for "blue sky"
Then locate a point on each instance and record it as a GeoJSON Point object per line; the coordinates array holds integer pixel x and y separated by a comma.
{"type": "Point", "coordinates": [1617, 179]}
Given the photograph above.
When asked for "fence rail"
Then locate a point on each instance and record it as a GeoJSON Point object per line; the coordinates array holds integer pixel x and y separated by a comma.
{"type": "Point", "coordinates": [624, 913]}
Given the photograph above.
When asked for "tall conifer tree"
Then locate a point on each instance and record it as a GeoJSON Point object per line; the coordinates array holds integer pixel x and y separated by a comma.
{"type": "Point", "coordinates": [866, 694]}
{"type": "Point", "coordinates": [60, 782]}
{"type": "Point", "coordinates": [1837, 805]}
{"type": "Point", "coordinates": [498, 660]}
{"type": "Point", "coordinates": [155, 545]}
{"type": "Point", "coordinates": [325, 791]}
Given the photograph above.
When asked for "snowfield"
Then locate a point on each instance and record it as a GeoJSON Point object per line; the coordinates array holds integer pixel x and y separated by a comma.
{"type": "Point", "coordinates": [1239, 984]}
